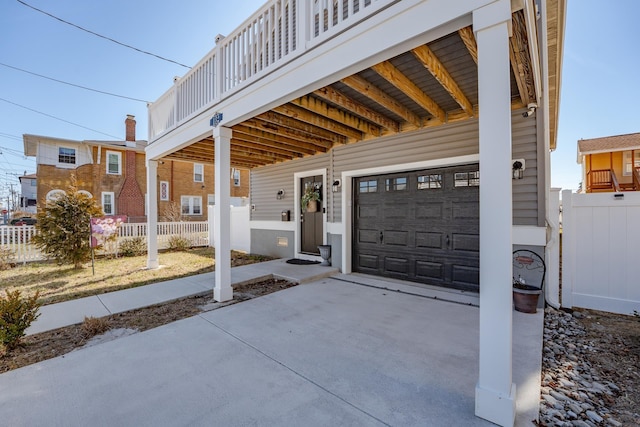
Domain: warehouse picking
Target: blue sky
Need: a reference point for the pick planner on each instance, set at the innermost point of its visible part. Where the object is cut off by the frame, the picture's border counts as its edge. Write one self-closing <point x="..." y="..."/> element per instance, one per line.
<point x="599" y="81"/>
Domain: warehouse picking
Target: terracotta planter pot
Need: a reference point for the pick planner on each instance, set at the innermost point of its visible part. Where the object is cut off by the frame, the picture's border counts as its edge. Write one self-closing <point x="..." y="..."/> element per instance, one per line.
<point x="526" y="300"/>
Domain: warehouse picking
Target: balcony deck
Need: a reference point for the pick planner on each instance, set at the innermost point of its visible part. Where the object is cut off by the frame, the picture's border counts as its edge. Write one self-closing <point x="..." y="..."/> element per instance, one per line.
<point x="300" y="76"/>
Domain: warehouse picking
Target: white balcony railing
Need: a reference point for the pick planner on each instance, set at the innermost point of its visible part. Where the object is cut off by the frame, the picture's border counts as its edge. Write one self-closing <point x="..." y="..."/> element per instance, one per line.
<point x="276" y="34"/>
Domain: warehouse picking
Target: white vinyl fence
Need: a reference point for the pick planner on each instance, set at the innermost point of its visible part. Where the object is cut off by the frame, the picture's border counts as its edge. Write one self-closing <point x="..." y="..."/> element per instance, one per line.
<point x="15" y="241"/>
<point x="600" y="251"/>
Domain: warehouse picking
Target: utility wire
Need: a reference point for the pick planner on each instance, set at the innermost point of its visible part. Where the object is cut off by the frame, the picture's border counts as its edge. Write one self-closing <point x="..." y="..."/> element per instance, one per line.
<point x="72" y="84"/>
<point x="101" y="36"/>
<point x="57" y="118"/>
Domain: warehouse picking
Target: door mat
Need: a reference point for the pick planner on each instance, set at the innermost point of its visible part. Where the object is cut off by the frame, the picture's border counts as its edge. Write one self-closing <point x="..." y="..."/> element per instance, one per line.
<point x="298" y="261"/>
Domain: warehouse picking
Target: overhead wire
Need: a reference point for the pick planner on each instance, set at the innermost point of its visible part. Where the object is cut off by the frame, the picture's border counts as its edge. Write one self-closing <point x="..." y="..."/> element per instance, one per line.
<point x="101" y="36"/>
<point x="57" y="118"/>
<point x="72" y="84"/>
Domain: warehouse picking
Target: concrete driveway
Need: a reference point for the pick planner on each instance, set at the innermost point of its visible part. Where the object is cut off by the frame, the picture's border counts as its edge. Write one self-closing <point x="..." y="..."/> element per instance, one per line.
<point x="327" y="353"/>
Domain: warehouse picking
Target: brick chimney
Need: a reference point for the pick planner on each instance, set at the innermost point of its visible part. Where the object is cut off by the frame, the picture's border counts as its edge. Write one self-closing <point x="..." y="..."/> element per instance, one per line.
<point x="130" y="124"/>
<point x="130" y="198"/>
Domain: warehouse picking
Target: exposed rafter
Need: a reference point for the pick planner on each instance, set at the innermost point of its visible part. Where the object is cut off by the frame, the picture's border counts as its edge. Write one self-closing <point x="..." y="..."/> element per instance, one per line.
<point x="359" y="84"/>
<point x="279" y="143"/>
<point x="469" y="40"/>
<point x="519" y="55"/>
<point x="318" y="121"/>
<point x="343" y="101"/>
<point x="402" y="82"/>
<point x="439" y="71"/>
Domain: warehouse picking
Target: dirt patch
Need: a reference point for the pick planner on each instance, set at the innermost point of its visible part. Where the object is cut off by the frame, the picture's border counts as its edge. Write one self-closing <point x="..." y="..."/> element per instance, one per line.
<point x="615" y="340"/>
<point x="46" y="345"/>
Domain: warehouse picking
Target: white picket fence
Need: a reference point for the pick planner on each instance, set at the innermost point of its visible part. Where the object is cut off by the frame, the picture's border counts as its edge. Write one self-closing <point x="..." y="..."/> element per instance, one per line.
<point x="16" y="240"/>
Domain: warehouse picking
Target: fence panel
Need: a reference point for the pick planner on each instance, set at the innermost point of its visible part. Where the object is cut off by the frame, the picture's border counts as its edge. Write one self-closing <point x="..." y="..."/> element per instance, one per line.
<point x="600" y="249"/>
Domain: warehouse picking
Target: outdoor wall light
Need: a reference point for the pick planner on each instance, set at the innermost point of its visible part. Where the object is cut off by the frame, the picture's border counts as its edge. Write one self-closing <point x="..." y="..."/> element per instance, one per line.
<point x="336" y="185"/>
<point x="280" y="194"/>
<point x="517" y="169"/>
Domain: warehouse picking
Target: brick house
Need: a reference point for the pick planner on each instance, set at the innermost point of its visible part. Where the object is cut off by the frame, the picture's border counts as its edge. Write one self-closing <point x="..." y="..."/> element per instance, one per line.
<point x="115" y="173"/>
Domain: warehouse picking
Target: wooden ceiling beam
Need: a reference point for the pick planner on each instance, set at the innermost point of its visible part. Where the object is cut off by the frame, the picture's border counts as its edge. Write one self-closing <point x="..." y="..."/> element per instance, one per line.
<point x="359" y="84"/>
<point x="271" y="140"/>
<point x="342" y="117"/>
<point x="286" y="126"/>
<point x="402" y="82"/>
<point x="343" y="101"/>
<point x="437" y="69"/>
<point x="318" y="121"/>
<point x="519" y="55"/>
<point x="240" y="142"/>
<point x="469" y="40"/>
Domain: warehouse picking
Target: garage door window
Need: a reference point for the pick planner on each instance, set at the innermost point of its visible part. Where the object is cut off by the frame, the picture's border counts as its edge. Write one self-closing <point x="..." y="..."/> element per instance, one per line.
<point x="467" y="179"/>
<point x="396" y="184"/>
<point x="427" y="182"/>
<point x="369" y="186"/>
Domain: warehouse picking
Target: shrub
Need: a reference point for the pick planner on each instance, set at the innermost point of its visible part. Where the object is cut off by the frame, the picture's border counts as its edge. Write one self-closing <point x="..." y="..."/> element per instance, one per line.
<point x="16" y="315"/>
<point x="92" y="326"/>
<point x="7" y="259"/>
<point x="179" y="243"/>
<point x="133" y="247"/>
<point x="64" y="227"/>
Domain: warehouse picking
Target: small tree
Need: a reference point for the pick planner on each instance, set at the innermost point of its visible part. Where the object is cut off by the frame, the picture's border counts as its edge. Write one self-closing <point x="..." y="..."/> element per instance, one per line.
<point x="64" y="227"/>
<point x="16" y="315"/>
<point x="173" y="213"/>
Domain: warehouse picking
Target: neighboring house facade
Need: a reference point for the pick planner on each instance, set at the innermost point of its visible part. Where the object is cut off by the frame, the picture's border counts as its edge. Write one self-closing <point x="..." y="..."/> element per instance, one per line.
<point x="610" y="164"/>
<point x="114" y="172"/>
<point x="424" y="127"/>
<point x="28" y="193"/>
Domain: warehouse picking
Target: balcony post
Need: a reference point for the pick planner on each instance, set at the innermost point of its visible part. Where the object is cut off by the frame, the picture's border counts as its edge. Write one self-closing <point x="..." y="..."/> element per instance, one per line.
<point x="152" y="214"/>
<point x="495" y="390"/>
<point x="303" y="22"/>
<point x="222" y="233"/>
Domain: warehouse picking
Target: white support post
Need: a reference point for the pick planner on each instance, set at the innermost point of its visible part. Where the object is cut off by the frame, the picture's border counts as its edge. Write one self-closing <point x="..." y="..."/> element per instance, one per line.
<point x="152" y="214"/>
<point x="495" y="391"/>
<point x="222" y="228"/>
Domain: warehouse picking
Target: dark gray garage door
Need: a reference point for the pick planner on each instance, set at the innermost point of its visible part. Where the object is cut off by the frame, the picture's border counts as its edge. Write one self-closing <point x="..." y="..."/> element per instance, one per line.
<point x="421" y="226"/>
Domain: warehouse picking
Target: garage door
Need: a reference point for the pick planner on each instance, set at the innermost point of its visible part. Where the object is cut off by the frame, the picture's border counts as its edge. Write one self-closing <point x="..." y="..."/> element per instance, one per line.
<point x="421" y="226"/>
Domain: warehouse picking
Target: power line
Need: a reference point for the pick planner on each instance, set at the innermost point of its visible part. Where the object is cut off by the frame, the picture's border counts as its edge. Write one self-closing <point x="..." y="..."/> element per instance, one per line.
<point x="72" y="84"/>
<point x="101" y="36"/>
<point x="57" y="118"/>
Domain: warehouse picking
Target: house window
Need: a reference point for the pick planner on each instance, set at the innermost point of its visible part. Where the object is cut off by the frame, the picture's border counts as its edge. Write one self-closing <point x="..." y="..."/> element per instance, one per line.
<point x="34" y="183"/>
<point x="191" y="205"/>
<point x="108" y="203"/>
<point x="628" y="160"/>
<point x="236" y="178"/>
<point x="211" y="199"/>
<point x="369" y="186"/>
<point x="114" y="163"/>
<point x="467" y="179"/>
<point x="429" y="181"/>
<point x="86" y="193"/>
<point x="67" y="155"/>
<point x="198" y="172"/>
<point x="396" y="184"/>
<point x="164" y="191"/>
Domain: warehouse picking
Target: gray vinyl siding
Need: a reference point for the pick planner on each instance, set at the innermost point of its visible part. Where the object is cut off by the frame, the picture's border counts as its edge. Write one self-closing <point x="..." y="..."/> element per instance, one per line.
<point x="267" y="180"/>
<point x="453" y="140"/>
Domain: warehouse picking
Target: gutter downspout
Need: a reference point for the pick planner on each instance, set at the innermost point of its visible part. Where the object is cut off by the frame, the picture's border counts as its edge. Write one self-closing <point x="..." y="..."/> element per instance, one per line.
<point x="552" y="248"/>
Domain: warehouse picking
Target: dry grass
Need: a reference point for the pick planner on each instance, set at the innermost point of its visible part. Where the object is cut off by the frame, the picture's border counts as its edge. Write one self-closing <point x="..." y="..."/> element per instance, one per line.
<point x="63" y="283"/>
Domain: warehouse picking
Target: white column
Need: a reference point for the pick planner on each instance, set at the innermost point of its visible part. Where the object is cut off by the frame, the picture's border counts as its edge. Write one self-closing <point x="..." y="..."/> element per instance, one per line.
<point x="222" y="228"/>
<point x="152" y="214"/>
<point x="495" y="392"/>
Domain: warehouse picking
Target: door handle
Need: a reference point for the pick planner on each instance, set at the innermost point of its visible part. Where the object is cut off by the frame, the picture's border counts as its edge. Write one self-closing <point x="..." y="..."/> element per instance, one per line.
<point x="447" y="241"/>
<point x="381" y="236"/>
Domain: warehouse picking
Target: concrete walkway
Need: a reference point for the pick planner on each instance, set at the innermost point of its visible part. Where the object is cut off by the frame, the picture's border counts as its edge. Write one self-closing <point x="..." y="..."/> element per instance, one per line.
<point x="337" y="351"/>
<point x="67" y="313"/>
